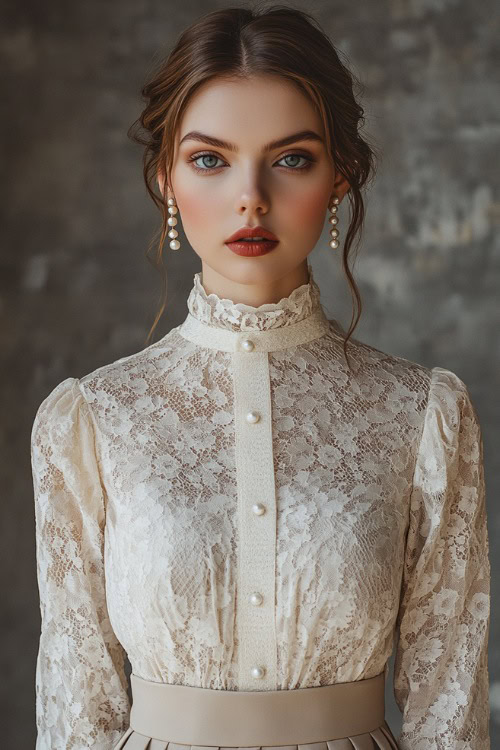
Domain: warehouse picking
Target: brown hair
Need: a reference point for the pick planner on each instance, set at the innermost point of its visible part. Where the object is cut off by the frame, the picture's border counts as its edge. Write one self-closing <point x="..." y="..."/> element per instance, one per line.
<point x="244" y="42"/>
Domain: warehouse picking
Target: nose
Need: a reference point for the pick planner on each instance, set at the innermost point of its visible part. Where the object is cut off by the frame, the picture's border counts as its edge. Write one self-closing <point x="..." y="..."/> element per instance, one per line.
<point x="252" y="198"/>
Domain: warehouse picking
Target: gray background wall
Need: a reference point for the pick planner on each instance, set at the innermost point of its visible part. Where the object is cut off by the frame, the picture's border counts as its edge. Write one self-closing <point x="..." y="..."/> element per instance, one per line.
<point x="77" y="292"/>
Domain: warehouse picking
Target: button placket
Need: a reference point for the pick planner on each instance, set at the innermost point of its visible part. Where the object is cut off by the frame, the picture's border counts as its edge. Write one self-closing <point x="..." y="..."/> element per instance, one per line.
<point x="255" y="615"/>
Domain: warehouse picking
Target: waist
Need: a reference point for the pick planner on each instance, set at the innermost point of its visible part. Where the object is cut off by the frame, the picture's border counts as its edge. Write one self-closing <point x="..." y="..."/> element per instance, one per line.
<point x="230" y="718"/>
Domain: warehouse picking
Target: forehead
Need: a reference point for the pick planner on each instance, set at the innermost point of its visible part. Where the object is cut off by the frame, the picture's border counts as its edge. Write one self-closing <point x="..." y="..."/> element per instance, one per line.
<point x="249" y="111"/>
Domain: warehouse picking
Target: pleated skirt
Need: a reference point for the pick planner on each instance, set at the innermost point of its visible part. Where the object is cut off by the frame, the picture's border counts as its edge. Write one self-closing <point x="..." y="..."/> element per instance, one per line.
<point x="344" y="716"/>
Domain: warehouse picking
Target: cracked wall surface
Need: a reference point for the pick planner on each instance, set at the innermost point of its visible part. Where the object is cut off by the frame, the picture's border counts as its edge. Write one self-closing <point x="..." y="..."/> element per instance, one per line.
<point x="76" y="290"/>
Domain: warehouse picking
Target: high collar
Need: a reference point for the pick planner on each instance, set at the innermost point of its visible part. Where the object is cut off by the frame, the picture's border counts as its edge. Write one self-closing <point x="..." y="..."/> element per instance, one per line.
<point x="219" y="323"/>
<point x="221" y="312"/>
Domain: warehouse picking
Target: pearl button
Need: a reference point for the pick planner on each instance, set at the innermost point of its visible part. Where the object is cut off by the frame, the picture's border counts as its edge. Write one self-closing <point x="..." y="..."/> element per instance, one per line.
<point x="248" y="345"/>
<point x="256" y="598"/>
<point x="253" y="416"/>
<point x="258" y="672"/>
<point x="258" y="509"/>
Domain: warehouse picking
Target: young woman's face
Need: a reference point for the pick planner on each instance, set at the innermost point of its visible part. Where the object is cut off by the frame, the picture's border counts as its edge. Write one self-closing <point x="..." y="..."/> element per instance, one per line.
<point x="286" y="190"/>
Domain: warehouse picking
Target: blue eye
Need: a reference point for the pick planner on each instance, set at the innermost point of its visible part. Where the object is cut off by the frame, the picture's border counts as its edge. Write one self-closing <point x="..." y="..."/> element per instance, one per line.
<point x="209" y="155"/>
<point x="300" y="156"/>
<point x="204" y="156"/>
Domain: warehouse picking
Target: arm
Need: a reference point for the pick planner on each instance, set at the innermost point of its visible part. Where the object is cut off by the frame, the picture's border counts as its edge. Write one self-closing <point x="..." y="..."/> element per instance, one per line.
<point x="441" y="669"/>
<point x="81" y="685"/>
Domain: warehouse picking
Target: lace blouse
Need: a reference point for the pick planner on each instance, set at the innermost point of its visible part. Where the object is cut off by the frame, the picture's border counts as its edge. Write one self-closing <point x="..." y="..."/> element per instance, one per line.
<point x="234" y="509"/>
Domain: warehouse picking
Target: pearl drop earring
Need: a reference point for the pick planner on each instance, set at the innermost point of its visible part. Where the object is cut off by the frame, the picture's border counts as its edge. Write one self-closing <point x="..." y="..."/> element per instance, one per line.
<point x="334" y="243"/>
<point x="172" y="221"/>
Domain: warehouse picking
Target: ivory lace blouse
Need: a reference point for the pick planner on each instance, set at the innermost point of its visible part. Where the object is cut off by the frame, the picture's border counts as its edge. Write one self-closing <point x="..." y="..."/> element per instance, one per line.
<point x="233" y="509"/>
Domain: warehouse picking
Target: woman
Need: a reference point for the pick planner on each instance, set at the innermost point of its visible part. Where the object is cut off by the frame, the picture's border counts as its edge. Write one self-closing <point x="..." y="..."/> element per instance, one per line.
<point x="252" y="507"/>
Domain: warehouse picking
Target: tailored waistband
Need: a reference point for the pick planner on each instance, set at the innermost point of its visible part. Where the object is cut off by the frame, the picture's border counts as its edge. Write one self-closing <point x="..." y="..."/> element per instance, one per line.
<point x="230" y="718"/>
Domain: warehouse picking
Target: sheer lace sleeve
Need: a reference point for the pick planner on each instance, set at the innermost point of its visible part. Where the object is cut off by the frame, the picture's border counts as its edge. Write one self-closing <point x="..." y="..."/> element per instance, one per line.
<point x="81" y="685"/>
<point x="441" y="668"/>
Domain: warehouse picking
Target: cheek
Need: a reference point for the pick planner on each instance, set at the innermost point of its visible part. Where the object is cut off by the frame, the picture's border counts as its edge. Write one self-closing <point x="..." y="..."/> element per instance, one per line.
<point x="198" y="211"/>
<point x="308" y="208"/>
<point x="198" y="204"/>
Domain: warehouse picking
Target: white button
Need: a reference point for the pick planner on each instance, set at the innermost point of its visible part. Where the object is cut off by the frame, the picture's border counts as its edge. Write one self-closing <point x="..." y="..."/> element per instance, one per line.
<point x="258" y="509"/>
<point x="253" y="416"/>
<point x="258" y="672"/>
<point x="248" y="345"/>
<point x="256" y="598"/>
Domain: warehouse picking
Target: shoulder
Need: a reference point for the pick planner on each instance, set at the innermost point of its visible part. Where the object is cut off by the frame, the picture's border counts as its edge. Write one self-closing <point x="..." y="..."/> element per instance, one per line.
<point x="62" y="426"/>
<point x="75" y="396"/>
<point x="370" y="364"/>
<point x="433" y="386"/>
<point x="123" y="381"/>
<point x="59" y="407"/>
<point x="450" y="411"/>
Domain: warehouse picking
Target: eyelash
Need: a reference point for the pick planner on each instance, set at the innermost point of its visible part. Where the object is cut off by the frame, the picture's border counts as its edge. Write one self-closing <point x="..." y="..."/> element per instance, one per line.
<point x="195" y="157"/>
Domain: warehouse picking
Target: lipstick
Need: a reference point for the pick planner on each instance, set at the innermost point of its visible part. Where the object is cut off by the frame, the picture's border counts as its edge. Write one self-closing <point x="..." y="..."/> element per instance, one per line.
<point x="252" y="241"/>
<point x="251" y="249"/>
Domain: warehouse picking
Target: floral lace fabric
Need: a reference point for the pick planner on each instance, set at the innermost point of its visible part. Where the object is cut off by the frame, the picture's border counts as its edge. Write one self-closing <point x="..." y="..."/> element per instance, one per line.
<point x="223" y="313"/>
<point x="147" y="478"/>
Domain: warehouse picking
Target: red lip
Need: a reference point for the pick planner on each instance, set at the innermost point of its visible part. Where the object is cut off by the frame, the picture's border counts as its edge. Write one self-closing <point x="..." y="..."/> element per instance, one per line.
<point x="251" y="249"/>
<point x="252" y="232"/>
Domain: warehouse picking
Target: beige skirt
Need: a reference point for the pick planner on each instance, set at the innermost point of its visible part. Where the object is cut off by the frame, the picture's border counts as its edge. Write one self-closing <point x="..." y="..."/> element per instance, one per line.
<point x="344" y="716"/>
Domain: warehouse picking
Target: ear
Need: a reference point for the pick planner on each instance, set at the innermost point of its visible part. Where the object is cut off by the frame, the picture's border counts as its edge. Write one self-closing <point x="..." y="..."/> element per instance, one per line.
<point x="160" y="178"/>
<point x="340" y="186"/>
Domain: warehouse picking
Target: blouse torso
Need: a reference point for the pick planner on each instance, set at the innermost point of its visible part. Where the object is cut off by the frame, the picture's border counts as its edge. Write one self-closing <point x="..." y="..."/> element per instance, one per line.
<point x="234" y="509"/>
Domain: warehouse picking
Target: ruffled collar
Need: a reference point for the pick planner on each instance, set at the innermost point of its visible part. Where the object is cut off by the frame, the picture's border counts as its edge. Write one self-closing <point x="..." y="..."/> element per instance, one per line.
<point x="223" y="313"/>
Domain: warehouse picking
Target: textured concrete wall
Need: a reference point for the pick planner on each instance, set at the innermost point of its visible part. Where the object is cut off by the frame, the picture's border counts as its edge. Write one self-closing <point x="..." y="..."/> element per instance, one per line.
<point x="77" y="292"/>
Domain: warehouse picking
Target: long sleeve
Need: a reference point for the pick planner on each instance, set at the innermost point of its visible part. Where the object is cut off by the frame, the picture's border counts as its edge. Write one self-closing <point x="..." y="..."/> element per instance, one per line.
<point x="441" y="664"/>
<point x="81" y="685"/>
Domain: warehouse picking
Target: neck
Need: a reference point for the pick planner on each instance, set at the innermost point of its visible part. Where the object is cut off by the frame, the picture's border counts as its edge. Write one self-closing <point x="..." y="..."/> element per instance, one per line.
<point x="254" y="293"/>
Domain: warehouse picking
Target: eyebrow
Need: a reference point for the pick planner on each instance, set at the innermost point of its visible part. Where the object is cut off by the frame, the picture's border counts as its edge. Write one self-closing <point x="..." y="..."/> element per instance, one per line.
<point x="303" y="135"/>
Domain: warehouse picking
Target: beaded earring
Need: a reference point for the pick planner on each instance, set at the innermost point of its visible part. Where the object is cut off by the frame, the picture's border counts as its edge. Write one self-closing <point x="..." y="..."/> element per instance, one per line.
<point x="172" y="221"/>
<point x="334" y="243"/>
<point x="173" y="233"/>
